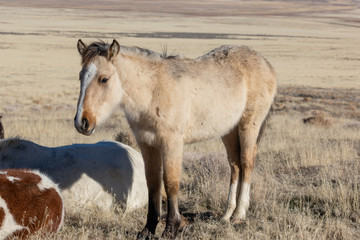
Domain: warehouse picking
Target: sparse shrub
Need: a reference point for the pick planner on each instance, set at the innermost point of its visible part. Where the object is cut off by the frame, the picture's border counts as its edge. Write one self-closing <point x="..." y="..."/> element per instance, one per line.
<point x="319" y="119"/>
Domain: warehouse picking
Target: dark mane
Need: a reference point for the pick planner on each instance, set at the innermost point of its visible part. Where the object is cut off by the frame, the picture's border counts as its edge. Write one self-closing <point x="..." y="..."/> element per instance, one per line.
<point x="101" y="49"/>
<point x="95" y="49"/>
<point x="166" y="55"/>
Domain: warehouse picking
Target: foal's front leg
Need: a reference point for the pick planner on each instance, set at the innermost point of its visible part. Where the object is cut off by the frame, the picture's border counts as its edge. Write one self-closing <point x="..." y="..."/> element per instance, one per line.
<point x="153" y="164"/>
<point x="171" y="153"/>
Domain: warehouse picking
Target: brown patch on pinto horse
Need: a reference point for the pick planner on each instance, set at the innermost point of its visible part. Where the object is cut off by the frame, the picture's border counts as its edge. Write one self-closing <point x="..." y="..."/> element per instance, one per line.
<point x="32" y="200"/>
<point x="2" y="216"/>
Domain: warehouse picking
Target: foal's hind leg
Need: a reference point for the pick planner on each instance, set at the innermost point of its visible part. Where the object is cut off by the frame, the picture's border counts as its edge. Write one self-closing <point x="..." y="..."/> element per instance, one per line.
<point x="232" y="145"/>
<point x="248" y="133"/>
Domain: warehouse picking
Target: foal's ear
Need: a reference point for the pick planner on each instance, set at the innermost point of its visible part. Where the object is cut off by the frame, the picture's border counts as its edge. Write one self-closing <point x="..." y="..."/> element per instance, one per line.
<point x="81" y="47"/>
<point x="113" y="50"/>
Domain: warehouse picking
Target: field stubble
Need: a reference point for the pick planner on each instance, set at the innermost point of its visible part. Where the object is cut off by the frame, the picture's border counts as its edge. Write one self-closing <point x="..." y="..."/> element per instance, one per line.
<point x="306" y="182"/>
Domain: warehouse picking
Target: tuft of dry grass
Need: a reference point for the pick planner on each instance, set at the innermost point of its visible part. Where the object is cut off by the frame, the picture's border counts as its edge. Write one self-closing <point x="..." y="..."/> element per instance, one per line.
<point x="127" y="137"/>
<point x="319" y="119"/>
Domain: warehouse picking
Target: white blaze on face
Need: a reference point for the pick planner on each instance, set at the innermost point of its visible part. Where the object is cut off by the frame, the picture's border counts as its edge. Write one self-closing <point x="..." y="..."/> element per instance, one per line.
<point x="87" y="77"/>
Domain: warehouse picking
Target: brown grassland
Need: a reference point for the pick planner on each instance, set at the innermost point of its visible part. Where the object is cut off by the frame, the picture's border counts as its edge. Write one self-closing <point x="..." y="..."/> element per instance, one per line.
<point x="306" y="182"/>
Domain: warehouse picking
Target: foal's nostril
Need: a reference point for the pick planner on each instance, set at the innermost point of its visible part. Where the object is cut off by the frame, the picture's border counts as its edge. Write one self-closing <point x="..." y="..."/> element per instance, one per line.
<point x="85" y="124"/>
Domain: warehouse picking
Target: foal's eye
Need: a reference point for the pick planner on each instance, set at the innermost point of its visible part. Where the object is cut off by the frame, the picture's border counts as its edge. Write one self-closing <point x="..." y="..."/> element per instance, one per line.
<point x="104" y="80"/>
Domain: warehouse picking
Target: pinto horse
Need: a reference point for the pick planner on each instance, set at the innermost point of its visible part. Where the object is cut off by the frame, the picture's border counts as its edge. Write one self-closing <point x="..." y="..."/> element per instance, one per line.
<point x="172" y="100"/>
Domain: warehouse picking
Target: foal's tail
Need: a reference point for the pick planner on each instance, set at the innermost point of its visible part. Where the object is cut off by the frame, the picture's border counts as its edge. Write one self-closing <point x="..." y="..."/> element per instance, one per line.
<point x="264" y="124"/>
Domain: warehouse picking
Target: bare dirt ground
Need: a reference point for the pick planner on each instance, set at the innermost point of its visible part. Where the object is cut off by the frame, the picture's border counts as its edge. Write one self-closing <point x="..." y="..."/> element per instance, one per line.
<point x="306" y="183"/>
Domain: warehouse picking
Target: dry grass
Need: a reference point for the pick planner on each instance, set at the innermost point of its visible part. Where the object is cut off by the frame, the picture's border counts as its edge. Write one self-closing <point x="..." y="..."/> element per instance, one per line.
<point x="306" y="182"/>
<point x="306" y="185"/>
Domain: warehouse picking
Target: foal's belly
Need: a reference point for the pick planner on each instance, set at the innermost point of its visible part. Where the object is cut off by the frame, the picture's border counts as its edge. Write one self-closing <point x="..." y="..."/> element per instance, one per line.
<point x="215" y="118"/>
<point x="210" y="128"/>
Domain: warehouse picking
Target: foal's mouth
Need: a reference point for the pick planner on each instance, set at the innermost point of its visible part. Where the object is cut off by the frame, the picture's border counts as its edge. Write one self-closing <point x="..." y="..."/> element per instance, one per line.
<point x="89" y="132"/>
<point x="86" y="132"/>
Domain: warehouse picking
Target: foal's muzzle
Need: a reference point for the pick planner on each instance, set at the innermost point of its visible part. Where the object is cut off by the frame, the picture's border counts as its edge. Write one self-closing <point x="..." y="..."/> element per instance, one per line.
<point x="84" y="127"/>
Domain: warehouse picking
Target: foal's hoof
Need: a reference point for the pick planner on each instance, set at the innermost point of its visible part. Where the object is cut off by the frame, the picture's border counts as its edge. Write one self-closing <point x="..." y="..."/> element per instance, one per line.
<point x="145" y="234"/>
<point x="171" y="231"/>
<point x="168" y="234"/>
<point x="225" y="218"/>
<point x="237" y="221"/>
<point x="225" y="221"/>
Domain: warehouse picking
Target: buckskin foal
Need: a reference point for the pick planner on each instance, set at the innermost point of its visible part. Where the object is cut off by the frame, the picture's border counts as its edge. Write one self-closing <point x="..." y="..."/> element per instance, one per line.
<point x="172" y="100"/>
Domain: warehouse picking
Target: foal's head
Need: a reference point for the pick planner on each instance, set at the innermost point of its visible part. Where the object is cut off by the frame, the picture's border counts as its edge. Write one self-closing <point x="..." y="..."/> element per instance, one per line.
<point x="100" y="88"/>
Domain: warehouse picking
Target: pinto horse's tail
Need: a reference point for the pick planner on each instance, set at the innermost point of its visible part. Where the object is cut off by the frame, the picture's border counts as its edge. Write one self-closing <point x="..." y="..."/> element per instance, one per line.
<point x="1" y="129"/>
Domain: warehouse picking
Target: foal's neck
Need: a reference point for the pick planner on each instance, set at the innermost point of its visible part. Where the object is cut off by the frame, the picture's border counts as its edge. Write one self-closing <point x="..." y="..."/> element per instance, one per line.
<point x="137" y="76"/>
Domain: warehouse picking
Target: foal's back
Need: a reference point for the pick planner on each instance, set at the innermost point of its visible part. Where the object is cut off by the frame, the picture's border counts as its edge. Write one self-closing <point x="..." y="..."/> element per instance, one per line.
<point x="214" y="90"/>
